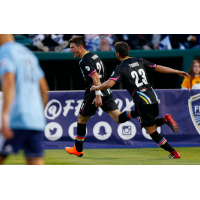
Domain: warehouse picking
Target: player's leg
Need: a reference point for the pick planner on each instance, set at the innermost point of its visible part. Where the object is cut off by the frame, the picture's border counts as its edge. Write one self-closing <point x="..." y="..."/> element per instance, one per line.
<point x="80" y="136"/>
<point x="122" y="117"/>
<point x="87" y="110"/>
<point x="167" y="119"/>
<point x="147" y="115"/>
<point x="12" y="146"/>
<point x="35" y="161"/>
<point x="115" y="115"/>
<point x="111" y="108"/>
<point x="128" y="115"/>
<point x="81" y="132"/>
<point x="33" y="147"/>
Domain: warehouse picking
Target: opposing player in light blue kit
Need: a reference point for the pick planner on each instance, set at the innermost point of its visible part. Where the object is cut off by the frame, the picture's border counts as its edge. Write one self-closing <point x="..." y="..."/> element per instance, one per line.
<point x="24" y="97"/>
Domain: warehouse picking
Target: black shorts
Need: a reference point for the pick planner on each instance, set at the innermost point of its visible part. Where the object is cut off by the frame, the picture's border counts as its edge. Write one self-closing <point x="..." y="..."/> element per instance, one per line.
<point x="88" y="109"/>
<point x="147" y="114"/>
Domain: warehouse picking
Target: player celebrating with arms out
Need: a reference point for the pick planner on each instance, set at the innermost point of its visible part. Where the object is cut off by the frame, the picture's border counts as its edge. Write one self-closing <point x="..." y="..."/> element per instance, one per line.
<point x="131" y="72"/>
<point x="94" y="73"/>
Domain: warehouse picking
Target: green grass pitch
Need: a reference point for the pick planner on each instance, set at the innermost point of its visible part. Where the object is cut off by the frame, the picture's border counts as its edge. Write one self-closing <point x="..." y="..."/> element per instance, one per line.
<point x="134" y="156"/>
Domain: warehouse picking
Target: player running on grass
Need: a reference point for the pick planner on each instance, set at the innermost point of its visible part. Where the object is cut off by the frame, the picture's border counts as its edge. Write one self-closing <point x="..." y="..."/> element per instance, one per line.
<point x="131" y="72"/>
<point x="94" y="73"/>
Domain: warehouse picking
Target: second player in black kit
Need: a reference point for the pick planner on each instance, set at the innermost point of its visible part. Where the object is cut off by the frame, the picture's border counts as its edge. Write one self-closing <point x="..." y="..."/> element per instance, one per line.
<point x="132" y="73"/>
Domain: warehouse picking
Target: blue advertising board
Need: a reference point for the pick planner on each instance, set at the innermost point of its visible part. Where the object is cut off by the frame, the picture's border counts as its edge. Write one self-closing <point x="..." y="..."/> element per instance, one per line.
<point x="62" y="111"/>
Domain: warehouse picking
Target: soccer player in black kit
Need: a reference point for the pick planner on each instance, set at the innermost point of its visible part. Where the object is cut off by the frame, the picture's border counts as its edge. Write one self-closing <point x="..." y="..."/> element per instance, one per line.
<point x="94" y="73"/>
<point x="131" y="72"/>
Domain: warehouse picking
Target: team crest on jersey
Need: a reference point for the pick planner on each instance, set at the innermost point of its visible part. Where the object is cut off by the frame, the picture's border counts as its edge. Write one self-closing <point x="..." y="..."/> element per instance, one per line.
<point x="194" y="109"/>
<point x="88" y="68"/>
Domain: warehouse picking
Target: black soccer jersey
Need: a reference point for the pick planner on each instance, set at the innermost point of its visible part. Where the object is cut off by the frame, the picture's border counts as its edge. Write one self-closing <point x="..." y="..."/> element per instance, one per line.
<point x="131" y="72"/>
<point x="89" y="64"/>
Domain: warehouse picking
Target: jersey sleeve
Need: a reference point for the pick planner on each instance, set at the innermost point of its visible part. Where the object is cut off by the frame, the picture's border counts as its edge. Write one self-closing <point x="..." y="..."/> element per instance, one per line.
<point x="6" y="65"/>
<point x="117" y="75"/>
<point x="186" y="83"/>
<point x="87" y="68"/>
<point x="40" y="73"/>
<point x="149" y="65"/>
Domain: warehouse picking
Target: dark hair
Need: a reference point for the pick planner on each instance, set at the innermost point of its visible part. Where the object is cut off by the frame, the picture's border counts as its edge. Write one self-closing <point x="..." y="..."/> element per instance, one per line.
<point x="78" y="40"/>
<point x="191" y="72"/>
<point x="122" y="48"/>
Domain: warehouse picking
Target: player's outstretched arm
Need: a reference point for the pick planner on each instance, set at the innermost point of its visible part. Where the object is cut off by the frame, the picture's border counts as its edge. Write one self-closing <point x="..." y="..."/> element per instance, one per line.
<point x="168" y="70"/>
<point x="108" y="84"/>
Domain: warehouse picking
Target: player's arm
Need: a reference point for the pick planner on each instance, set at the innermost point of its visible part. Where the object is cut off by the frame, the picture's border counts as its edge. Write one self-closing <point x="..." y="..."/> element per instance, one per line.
<point x="107" y="84"/>
<point x="168" y="70"/>
<point x="96" y="81"/>
<point x="8" y="88"/>
<point x="116" y="76"/>
<point x="43" y="90"/>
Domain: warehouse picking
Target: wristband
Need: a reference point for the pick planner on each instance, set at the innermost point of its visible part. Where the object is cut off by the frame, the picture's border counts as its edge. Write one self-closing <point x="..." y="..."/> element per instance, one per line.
<point x="97" y="92"/>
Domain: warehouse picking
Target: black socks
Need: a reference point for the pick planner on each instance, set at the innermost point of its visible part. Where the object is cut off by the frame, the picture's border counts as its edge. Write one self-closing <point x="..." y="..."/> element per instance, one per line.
<point x="161" y="141"/>
<point x="127" y="115"/>
<point x="81" y="132"/>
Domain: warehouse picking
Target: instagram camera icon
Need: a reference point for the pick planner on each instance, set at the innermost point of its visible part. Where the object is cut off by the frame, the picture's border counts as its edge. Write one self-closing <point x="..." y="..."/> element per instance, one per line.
<point x="126" y="130"/>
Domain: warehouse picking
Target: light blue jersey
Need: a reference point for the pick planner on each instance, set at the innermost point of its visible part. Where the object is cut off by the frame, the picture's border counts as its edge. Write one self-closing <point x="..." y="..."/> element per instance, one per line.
<point x="27" y="111"/>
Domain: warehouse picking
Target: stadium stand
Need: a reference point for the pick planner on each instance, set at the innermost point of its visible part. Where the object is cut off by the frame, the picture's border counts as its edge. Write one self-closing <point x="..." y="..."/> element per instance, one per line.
<point x="57" y="65"/>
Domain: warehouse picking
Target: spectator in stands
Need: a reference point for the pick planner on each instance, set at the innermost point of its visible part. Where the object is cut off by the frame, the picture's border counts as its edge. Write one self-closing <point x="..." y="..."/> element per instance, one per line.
<point x="138" y="41"/>
<point x="101" y="42"/>
<point x="156" y="38"/>
<point x="48" y="42"/>
<point x="133" y="40"/>
<point x="192" y="82"/>
<point x="90" y="36"/>
<point x="187" y="40"/>
<point x="198" y="41"/>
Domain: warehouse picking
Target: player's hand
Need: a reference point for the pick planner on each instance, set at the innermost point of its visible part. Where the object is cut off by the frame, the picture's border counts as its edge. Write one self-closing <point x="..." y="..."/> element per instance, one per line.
<point x="183" y="74"/>
<point x="93" y="88"/>
<point x="5" y="128"/>
<point x="97" y="101"/>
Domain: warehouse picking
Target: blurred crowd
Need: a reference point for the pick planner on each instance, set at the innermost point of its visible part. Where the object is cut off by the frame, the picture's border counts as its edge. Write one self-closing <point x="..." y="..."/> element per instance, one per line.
<point x="105" y="42"/>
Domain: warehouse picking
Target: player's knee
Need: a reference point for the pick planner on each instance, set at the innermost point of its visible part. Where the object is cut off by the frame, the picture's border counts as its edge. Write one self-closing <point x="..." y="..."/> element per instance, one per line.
<point x="117" y="120"/>
<point x="82" y="120"/>
<point x="150" y="129"/>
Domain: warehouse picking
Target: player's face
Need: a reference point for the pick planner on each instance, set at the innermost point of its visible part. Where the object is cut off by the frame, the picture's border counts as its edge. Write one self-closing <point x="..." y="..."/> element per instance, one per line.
<point x="196" y="68"/>
<point x="75" y="50"/>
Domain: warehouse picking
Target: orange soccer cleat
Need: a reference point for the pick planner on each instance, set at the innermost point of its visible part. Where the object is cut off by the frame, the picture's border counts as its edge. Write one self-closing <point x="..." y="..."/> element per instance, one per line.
<point x="72" y="150"/>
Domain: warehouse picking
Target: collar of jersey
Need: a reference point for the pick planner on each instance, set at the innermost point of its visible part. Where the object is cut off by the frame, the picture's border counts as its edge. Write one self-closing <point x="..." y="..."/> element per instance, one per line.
<point x="126" y="58"/>
<point x="84" y="54"/>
